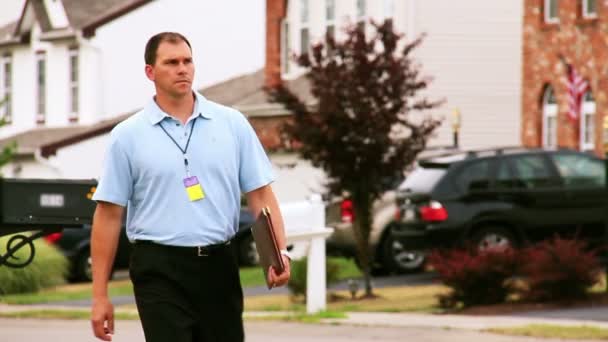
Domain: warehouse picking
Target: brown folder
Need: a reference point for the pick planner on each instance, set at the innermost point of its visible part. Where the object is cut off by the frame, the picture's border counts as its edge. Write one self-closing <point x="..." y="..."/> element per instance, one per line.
<point x="266" y="243"/>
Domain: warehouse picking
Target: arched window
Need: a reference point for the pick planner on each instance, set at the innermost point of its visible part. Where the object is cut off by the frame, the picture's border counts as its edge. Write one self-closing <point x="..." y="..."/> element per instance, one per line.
<point x="587" y="122"/>
<point x="549" y="118"/>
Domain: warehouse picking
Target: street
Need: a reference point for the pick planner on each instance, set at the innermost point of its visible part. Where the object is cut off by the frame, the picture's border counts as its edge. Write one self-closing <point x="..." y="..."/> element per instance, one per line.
<point x="79" y="331"/>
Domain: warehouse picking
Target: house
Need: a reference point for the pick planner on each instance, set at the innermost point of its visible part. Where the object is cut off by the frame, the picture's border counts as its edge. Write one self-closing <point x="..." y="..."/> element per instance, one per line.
<point x="472" y="51"/>
<point x="564" y="74"/>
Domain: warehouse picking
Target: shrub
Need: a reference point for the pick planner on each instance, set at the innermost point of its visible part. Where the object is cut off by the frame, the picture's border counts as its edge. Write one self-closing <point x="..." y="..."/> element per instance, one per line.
<point x="48" y="268"/>
<point x="559" y="269"/>
<point x="475" y="277"/>
<point x="297" y="281"/>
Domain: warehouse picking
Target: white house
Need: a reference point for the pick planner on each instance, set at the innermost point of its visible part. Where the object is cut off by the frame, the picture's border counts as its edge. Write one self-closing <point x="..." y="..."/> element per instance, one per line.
<point x="472" y="50"/>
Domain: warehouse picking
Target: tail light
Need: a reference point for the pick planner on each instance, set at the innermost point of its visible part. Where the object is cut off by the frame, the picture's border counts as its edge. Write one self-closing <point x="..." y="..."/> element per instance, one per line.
<point x="433" y="212"/>
<point x="347" y="212"/>
<point x="53" y="237"/>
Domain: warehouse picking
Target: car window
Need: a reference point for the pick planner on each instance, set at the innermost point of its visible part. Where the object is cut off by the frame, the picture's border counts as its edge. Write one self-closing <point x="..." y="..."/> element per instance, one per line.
<point x="475" y="176"/>
<point x="580" y="170"/>
<point x="422" y="179"/>
<point x="505" y="177"/>
<point x="532" y="171"/>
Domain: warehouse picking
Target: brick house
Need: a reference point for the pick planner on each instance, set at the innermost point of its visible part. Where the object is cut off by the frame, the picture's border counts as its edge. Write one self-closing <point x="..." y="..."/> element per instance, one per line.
<point x="558" y="34"/>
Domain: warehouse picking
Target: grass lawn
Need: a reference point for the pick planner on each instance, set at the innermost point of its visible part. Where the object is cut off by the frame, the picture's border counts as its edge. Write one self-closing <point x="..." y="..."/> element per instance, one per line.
<point x="555" y="331"/>
<point x="250" y="276"/>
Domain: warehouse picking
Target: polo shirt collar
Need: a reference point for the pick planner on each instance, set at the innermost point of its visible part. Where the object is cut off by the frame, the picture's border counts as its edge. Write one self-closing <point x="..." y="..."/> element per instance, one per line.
<point x="155" y="114"/>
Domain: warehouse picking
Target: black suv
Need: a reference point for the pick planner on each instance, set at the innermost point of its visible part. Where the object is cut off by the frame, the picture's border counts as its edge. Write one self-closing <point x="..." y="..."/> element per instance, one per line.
<point x="508" y="196"/>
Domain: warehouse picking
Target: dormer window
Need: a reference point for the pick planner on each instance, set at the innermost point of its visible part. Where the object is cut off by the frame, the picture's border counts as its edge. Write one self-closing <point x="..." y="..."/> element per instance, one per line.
<point x="330" y="17"/>
<point x="361" y="13"/>
<point x="304" y="29"/>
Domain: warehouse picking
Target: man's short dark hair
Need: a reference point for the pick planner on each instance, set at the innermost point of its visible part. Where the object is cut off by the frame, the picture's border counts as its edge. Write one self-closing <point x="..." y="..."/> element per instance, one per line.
<point x="155" y="40"/>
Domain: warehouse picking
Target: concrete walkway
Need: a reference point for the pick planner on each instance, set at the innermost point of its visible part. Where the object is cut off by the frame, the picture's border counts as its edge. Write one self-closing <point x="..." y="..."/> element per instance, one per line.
<point x="597" y="317"/>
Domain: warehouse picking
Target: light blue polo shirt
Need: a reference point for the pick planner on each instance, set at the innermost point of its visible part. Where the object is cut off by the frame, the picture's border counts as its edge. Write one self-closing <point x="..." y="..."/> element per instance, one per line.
<point x="144" y="170"/>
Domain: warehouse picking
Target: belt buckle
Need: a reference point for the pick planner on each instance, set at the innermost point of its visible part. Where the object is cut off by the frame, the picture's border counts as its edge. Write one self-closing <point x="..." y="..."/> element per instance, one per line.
<point x="201" y="251"/>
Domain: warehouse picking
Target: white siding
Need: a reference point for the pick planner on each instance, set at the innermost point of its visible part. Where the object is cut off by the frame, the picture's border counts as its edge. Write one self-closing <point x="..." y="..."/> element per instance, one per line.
<point x="472" y="51"/>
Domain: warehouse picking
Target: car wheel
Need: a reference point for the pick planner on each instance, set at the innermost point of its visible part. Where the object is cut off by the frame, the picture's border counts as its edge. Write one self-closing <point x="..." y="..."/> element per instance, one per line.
<point x="82" y="267"/>
<point x="398" y="259"/>
<point x="248" y="254"/>
<point x="494" y="237"/>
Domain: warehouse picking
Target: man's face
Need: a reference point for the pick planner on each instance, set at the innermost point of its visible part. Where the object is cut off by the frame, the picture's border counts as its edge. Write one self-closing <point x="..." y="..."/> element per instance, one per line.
<point x="173" y="71"/>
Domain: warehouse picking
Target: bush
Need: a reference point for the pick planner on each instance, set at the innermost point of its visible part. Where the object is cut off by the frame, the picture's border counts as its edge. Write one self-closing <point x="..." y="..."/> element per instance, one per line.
<point x="48" y="268"/>
<point x="559" y="269"/>
<point x="475" y="277"/>
<point x="297" y="281"/>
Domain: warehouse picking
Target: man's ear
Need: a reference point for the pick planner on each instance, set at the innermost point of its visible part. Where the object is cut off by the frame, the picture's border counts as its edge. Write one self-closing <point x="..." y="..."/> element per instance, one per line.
<point x="149" y="72"/>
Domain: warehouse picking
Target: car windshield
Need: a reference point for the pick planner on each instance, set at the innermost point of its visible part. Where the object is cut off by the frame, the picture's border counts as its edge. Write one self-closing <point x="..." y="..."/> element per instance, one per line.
<point x="422" y="179"/>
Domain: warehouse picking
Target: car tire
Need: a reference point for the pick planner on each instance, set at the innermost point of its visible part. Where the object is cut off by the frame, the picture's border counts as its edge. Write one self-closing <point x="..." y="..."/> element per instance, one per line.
<point x="82" y="267"/>
<point x="248" y="254"/>
<point x="493" y="236"/>
<point x="397" y="259"/>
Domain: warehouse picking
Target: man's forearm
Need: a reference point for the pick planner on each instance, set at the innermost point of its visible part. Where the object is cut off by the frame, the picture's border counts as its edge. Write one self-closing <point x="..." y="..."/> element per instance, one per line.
<point x="104" y="241"/>
<point x="262" y="197"/>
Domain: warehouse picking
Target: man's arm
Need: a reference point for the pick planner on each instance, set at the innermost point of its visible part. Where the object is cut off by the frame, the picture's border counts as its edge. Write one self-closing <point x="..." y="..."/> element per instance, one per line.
<point x="107" y="222"/>
<point x="258" y="199"/>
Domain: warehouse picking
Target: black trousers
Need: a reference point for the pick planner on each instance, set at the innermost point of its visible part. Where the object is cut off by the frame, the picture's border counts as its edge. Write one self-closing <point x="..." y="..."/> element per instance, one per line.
<point x="184" y="297"/>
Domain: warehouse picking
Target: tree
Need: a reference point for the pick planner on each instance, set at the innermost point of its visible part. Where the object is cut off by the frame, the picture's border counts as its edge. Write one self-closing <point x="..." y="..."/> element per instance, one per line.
<point x="6" y="154"/>
<point x="359" y="131"/>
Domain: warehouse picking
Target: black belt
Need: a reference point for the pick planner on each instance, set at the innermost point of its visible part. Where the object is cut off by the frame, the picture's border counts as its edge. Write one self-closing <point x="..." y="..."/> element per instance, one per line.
<point x="188" y="250"/>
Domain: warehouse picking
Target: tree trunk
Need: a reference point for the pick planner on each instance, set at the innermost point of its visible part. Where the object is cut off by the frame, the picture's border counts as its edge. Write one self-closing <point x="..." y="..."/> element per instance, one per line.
<point x="362" y="227"/>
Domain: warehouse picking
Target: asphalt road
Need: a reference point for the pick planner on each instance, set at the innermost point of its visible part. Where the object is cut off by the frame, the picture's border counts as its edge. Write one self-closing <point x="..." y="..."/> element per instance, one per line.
<point x="79" y="331"/>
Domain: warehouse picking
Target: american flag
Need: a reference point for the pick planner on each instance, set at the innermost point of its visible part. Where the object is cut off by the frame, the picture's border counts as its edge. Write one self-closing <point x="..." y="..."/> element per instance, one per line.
<point x="576" y="89"/>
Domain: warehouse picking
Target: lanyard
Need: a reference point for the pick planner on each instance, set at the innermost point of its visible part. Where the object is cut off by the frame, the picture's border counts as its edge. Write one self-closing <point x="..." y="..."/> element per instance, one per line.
<point x="184" y="150"/>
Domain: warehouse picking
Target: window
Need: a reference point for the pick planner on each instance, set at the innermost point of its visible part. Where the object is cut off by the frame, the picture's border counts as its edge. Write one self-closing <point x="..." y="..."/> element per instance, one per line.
<point x="361" y="13"/>
<point x="532" y="171"/>
<point x="505" y="178"/>
<point x="330" y="17"/>
<point x="41" y="87"/>
<point x="587" y="123"/>
<point x="551" y="11"/>
<point x="285" y="47"/>
<point x="304" y="30"/>
<point x="474" y="177"/>
<point x="6" y="86"/>
<point x="589" y="8"/>
<point x="549" y="118"/>
<point x="74" y="89"/>
<point x="580" y="171"/>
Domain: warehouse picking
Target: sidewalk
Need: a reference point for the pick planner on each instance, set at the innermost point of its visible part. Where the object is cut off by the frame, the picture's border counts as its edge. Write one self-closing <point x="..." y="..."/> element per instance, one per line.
<point x="596" y="317"/>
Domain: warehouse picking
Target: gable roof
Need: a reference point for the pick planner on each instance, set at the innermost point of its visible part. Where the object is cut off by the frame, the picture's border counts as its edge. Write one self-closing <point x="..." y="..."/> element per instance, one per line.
<point x="245" y="93"/>
<point x="82" y="15"/>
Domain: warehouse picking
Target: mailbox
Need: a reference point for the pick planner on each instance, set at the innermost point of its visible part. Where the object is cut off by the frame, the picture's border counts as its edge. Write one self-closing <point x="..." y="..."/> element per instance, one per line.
<point x="46" y="203"/>
<point x="33" y="208"/>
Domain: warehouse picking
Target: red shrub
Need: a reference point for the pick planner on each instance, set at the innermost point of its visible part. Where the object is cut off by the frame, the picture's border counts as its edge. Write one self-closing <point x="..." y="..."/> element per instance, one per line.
<point x="559" y="269"/>
<point x="475" y="277"/>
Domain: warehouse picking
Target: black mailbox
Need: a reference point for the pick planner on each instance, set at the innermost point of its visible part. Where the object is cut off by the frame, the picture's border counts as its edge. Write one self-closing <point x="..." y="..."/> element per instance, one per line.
<point x="46" y="203"/>
<point x="41" y="206"/>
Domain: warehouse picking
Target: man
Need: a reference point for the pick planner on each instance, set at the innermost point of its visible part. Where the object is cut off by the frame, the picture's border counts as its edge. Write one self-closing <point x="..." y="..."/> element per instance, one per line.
<point x="180" y="166"/>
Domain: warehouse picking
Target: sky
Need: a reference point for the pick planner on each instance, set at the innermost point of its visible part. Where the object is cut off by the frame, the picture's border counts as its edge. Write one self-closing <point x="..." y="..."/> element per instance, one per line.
<point x="231" y="31"/>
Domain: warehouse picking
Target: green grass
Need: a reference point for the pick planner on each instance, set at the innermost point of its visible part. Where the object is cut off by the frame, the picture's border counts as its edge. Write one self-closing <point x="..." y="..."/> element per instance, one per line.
<point x="555" y="331"/>
<point x="250" y="276"/>
<point x="64" y="314"/>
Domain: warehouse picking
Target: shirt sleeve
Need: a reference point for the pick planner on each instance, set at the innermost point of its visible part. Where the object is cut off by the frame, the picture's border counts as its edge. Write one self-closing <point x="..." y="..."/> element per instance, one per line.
<point x="255" y="169"/>
<point x="116" y="183"/>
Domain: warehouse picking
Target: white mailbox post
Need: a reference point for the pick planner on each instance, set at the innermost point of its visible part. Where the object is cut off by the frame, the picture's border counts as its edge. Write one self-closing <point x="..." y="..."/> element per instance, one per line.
<point x="305" y="221"/>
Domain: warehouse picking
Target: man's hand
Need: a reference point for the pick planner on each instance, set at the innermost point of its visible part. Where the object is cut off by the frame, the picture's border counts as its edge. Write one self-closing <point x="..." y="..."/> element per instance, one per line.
<point x="102" y="319"/>
<point x="276" y="279"/>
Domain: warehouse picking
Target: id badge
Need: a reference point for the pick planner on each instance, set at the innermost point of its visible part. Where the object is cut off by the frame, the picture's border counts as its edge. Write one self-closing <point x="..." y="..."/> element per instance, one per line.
<point x="194" y="189"/>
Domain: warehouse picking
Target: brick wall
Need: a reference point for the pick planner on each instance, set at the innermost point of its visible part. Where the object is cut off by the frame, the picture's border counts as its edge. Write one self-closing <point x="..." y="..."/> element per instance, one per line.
<point x="583" y="43"/>
<point x="275" y="12"/>
<point x="269" y="131"/>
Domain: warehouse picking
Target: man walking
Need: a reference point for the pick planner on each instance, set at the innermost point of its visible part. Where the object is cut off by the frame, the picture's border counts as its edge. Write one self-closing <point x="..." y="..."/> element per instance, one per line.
<point x="180" y="166"/>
